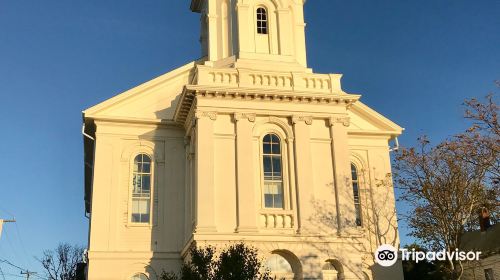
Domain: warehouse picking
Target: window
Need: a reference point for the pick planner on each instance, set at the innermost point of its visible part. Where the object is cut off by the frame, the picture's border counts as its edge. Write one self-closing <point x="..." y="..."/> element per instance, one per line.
<point x="262" y="25"/>
<point x="355" y="190"/>
<point x="139" y="276"/>
<point x="488" y="274"/>
<point x="273" y="179"/>
<point x="141" y="189"/>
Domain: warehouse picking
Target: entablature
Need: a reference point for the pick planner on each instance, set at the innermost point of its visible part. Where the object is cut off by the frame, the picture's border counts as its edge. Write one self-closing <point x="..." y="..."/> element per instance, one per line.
<point x="192" y="93"/>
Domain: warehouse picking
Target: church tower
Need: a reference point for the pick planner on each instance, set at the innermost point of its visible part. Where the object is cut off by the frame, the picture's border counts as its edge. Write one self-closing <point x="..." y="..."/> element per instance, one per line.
<point x="267" y="34"/>
<point x="248" y="145"/>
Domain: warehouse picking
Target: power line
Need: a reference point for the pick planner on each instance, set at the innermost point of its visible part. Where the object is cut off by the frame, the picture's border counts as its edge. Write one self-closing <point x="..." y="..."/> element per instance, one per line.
<point x="3" y="275"/>
<point x="11" y="264"/>
<point x="23" y="271"/>
<point x="22" y="243"/>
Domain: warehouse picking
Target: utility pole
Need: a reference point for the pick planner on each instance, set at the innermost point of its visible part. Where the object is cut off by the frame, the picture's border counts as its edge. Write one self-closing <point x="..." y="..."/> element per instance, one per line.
<point x="28" y="274"/>
<point x="5" y="221"/>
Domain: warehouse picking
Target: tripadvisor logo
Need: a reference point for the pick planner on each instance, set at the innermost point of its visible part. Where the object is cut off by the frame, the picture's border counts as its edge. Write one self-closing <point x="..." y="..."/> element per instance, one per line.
<point x="386" y="255"/>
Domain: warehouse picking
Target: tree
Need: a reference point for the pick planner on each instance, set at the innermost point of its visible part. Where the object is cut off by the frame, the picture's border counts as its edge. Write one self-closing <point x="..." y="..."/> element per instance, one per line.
<point x="62" y="263"/>
<point x="483" y="137"/>
<point x="449" y="184"/>
<point x="238" y="262"/>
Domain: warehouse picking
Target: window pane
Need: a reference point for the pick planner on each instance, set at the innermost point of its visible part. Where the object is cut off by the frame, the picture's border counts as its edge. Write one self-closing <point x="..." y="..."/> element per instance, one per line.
<point x="275" y="149"/>
<point x="135" y="206"/>
<point x="144" y="218"/>
<point x="355" y="189"/>
<point x="277" y="166"/>
<point x="278" y="201"/>
<point x="267" y="164"/>
<point x="146" y="183"/>
<point x="146" y="167"/>
<point x="267" y="148"/>
<point x="144" y="207"/>
<point x="358" y="214"/>
<point x="137" y="183"/>
<point x="267" y="138"/>
<point x="268" y="200"/>
<point x="136" y="218"/>
<point x="354" y="173"/>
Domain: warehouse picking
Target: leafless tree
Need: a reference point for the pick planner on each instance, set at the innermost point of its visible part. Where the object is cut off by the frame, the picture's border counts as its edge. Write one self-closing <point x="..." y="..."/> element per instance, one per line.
<point x="61" y="263"/>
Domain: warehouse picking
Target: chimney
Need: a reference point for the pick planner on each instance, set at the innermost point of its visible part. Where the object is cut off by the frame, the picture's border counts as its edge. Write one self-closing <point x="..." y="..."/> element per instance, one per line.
<point x="484" y="219"/>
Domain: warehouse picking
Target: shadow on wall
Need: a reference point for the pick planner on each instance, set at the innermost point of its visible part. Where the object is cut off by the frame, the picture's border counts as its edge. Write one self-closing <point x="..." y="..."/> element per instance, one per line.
<point x="379" y="226"/>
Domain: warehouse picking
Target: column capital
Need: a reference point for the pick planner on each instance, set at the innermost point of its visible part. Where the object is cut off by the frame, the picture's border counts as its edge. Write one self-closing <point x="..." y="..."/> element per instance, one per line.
<point x="306" y="119"/>
<point x="345" y="120"/>
<point x="203" y="114"/>
<point x="242" y="116"/>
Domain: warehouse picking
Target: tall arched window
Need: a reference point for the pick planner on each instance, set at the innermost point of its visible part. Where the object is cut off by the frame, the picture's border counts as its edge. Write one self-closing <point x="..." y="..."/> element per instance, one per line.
<point x="139" y="276"/>
<point x="262" y="21"/>
<point x="272" y="166"/>
<point x="141" y="189"/>
<point x="355" y="190"/>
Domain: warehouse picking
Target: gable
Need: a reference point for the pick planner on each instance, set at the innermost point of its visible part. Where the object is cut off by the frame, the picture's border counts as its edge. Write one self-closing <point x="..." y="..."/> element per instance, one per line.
<point x="153" y="101"/>
<point x="365" y="120"/>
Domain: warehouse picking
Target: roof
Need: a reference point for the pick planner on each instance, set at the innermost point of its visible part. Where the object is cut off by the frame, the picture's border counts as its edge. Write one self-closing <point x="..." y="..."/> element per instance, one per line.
<point x="487" y="242"/>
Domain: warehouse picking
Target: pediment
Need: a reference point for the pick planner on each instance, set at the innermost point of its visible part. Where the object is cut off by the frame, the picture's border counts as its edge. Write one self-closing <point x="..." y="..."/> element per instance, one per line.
<point x="153" y="101"/>
<point x="365" y="120"/>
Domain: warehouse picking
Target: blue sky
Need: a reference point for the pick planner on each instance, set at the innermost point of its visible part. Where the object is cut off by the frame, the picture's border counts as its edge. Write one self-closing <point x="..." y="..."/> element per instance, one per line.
<point x="413" y="61"/>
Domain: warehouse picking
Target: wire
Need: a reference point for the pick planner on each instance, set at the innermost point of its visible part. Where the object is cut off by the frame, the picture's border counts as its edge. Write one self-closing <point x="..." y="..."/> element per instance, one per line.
<point x="11" y="264"/>
<point x="14" y="275"/>
<point x="22" y="244"/>
<point x="20" y="268"/>
<point x="15" y="252"/>
<point x="3" y="275"/>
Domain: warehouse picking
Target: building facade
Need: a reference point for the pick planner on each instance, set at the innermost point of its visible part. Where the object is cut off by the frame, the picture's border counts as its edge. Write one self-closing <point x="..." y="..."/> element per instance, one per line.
<point x="247" y="144"/>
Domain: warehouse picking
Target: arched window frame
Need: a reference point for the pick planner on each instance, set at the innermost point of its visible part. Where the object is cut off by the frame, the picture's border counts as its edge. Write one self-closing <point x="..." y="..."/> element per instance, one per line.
<point x="262" y="20"/>
<point x="284" y="193"/>
<point x="355" y="181"/>
<point x="280" y="127"/>
<point x="131" y="222"/>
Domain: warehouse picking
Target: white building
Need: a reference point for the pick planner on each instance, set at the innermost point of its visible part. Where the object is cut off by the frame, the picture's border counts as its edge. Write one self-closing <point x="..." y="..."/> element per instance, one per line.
<point x="247" y="144"/>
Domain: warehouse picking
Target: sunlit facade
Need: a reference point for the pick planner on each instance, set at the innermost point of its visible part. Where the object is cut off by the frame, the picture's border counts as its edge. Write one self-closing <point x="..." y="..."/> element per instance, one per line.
<point x="247" y="144"/>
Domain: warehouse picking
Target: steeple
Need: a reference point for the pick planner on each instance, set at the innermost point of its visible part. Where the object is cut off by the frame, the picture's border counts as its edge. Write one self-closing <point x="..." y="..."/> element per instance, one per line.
<point x="257" y="34"/>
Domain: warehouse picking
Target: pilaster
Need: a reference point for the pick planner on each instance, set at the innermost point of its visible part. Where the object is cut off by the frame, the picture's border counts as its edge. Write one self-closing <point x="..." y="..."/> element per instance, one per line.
<point x="244" y="29"/>
<point x="285" y="32"/>
<point x="205" y="187"/>
<point x="342" y="173"/>
<point x="303" y="170"/>
<point x="246" y="200"/>
<point x="213" y="50"/>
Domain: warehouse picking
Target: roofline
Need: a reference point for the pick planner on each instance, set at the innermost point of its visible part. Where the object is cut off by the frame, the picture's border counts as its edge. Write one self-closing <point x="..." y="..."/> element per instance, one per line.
<point x="94" y="110"/>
